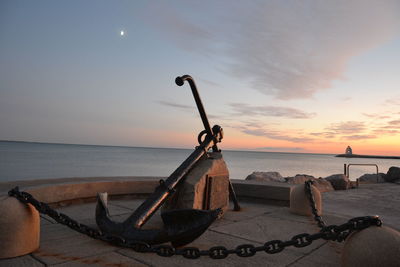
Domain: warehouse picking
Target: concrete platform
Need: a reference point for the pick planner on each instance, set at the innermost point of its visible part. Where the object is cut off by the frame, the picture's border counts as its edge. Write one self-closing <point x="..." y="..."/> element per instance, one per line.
<point x="262" y="219"/>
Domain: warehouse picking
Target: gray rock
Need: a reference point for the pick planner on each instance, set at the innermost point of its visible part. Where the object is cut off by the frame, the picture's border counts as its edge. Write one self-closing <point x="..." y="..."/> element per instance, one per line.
<point x="371" y="178"/>
<point x="322" y="184"/>
<point x="393" y="174"/>
<point x="266" y="176"/>
<point x="339" y="181"/>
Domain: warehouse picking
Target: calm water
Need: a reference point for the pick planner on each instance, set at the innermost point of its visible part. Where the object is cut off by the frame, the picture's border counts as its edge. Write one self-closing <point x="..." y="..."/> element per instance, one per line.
<point x="23" y="161"/>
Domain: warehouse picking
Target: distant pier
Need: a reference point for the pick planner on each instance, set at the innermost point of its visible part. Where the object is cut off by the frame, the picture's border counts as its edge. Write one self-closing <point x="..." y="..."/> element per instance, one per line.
<point x="366" y="156"/>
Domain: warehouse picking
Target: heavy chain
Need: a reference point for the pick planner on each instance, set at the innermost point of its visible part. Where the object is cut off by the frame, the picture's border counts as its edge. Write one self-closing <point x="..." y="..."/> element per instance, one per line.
<point x="310" y="196"/>
<point x="331" y="232"/>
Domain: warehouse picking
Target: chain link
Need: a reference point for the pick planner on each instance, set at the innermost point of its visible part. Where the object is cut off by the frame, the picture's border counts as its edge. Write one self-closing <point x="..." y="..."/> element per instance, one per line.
<point x="331" y="232"/>
<point x="309" y="194"/>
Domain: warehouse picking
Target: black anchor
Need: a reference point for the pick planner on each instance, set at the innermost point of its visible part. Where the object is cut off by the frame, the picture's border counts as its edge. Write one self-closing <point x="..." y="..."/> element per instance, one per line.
<point x="180" y="226"/>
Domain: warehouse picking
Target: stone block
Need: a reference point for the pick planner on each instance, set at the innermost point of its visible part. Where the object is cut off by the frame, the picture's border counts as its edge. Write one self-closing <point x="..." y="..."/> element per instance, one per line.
<point x="19" y="228"/>
<point x="266" y="177"/>
<point x="206" y="186"/>
<point x="372" y="178"/>
<point x="262" y="190"/>
<point x="339" y="181"/>
<point x="374" y="246"/>
<point x="300" y="204"/>
<point x="320" y="183"/>
<point x="393" y="174"/>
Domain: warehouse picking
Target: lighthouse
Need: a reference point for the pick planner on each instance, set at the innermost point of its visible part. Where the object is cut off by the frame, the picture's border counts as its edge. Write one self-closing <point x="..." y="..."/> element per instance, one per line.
<point x="349" y="151"/>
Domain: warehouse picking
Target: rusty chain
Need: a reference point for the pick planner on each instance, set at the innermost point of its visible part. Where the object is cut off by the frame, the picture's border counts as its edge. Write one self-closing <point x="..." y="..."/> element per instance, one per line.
<point x="331" y="232"/>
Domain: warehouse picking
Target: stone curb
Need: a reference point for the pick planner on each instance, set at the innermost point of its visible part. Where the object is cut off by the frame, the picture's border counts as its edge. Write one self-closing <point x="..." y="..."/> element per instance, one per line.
<point x="53" y="190"/>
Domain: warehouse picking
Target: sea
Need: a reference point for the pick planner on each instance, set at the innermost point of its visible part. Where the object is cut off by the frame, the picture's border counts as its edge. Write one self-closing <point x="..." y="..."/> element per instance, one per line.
<point x="29" y="160"/>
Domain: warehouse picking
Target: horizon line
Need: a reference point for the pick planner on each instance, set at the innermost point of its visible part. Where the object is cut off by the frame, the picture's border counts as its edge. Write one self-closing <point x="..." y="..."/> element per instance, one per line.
<point x="130" y="146"/>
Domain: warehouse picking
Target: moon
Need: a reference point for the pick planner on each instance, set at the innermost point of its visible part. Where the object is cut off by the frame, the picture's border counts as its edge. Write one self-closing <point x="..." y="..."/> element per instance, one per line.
<point x="122" y="33"/>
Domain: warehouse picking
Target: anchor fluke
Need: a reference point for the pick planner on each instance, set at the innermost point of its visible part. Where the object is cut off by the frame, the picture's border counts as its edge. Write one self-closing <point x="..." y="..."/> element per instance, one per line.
<point x="108" y="226"/>
<point x="196" y="222"/>
<point x="180" y="226"/>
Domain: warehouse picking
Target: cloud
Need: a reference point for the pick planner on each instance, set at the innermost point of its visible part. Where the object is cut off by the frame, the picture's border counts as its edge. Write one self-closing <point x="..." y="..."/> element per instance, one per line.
<point x="324" y="134"/>
<point x="176" y="27"/>
<point x="393" y="101"/>
<point x="186" y="107"/>
<point x="282" y="149"/>
<point x="293" y="49"/>
<point x="358" y="137"/>
<point x="242" y="109"/>
<point x="376" y="116"/>
<point x="175" y="105"/>
<point x="346" y="99"/>
<point x="348" y="127"/>
<point x="383" y="131"/>
<point x="388" y="128"/>
<point x="395" y="123"/>
<point x="277" y="135"/>
<point x="210" y="83"/>
<point x="288" y="49"/>
<point x="348" y="130"/>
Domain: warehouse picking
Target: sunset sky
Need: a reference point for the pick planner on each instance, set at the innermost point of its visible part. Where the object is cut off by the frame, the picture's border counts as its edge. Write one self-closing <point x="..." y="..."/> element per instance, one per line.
<point x="292" y="76"/>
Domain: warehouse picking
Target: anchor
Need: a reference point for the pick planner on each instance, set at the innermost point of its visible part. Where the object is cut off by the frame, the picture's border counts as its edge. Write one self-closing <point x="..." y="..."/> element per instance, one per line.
<point x="180" y="226"/>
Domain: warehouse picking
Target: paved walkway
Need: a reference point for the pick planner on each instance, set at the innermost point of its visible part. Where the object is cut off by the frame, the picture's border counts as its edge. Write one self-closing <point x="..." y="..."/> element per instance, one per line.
<point x="255" y="224"/>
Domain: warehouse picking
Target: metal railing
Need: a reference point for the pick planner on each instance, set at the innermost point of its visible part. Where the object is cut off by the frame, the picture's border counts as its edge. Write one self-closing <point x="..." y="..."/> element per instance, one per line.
<point x="347" y="169"/>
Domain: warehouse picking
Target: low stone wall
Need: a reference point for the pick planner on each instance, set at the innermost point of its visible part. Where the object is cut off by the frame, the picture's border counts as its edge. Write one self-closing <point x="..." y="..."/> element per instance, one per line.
<point x="263" y="190"/>
<point x="24" y="220"/>
<point x="58" y="190"/>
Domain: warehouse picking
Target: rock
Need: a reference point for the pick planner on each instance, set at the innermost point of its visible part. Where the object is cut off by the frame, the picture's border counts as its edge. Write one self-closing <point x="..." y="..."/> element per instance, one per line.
<point x="393" y="174"/>
<point x="339" y="181"/>
<point x="371" y="178"/>
<point x="374" y="246"/>
<point x="299" y="202"/>
<point x="19" y="228"/>
<point x="320" y="183"/>
<point x="266" y="176"/>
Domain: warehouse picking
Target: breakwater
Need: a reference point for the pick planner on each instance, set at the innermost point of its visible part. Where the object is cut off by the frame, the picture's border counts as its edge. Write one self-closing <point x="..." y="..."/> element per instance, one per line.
<point x="366" y="156"/>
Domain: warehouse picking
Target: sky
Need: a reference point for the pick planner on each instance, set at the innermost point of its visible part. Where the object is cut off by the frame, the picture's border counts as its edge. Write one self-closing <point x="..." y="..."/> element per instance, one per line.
<point x="304" y="76"/>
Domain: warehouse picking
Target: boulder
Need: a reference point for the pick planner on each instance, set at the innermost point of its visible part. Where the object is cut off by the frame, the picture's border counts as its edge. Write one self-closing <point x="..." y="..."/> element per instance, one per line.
<point x="299" y="202"/>
<point x="19" y="228"/>
<point x="373" y="246"/>
<point x="339" y="181"/>
<point x="371" y="178"/>
<point x="299" y="179"/>
<point x="393" y="174"/>
<point x="320" y="183"/>
<point x="266" y="177"/>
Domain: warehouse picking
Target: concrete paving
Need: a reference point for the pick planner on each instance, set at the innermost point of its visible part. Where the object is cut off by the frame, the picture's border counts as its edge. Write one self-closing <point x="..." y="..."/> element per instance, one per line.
<point x="255" y="224"/>
<point x="381" y="199"/>
<point x="258" y="222"/>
